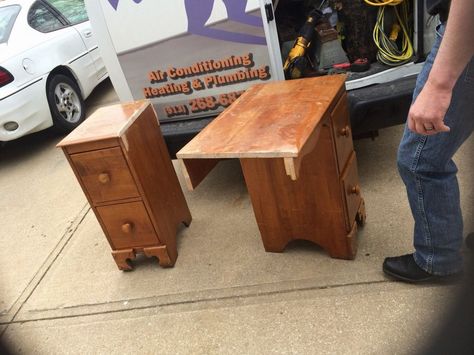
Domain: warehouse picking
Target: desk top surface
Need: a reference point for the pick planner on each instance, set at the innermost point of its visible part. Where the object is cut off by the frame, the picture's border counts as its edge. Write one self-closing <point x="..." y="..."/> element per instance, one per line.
<point x="269" y="120"/>
<point x="107" y="122"/>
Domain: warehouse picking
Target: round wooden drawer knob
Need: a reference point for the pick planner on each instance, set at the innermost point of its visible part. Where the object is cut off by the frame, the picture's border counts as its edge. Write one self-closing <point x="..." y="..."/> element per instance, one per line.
<point x="104" y="178"/>
<point x="127" y="228"/>
<point x="346" y="131"/>
<point x="355" y="190"/>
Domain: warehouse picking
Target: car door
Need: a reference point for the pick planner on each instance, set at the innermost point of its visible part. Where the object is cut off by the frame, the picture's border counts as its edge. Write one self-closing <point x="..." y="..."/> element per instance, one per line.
<point x="43" y="42"/>
<point x="74" y="12"/>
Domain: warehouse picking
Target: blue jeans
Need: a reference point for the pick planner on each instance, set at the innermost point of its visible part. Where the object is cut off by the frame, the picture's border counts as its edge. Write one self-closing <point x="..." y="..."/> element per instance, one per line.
<point x="429" y="173"/>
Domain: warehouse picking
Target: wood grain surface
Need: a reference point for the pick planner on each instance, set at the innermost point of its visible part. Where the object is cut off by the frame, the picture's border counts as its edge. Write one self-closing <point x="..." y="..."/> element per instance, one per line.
<point x="105" y="175"/>
<point x="153" y="170"/>
<point x="268" y="120"/>
<point x="195" y="170"/>
<point x="107" y="122"/>
<point x="342" y="132"/>
<point x="140" y="232"/>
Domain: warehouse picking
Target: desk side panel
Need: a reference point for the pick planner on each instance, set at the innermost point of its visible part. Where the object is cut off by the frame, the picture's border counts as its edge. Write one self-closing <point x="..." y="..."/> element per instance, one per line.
<point x="309" y="208"/>
<point x="196" y="170"/>
<point x="149" y="160"/>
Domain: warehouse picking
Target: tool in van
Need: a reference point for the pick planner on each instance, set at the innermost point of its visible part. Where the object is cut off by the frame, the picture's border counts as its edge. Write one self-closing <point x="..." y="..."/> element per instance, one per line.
<point x="297" y="59"/>
<point x="359" y="65"/>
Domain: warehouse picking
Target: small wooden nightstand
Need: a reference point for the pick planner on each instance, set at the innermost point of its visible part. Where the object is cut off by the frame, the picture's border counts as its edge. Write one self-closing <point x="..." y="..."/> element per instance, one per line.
<point x="121" y="161"/>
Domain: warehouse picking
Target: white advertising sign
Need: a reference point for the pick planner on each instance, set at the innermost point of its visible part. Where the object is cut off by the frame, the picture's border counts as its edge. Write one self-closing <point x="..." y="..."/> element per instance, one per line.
<point x="192" y="58"/>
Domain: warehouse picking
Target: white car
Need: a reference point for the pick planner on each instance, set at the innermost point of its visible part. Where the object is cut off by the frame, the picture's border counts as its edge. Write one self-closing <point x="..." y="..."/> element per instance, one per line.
<point x="49" y="63"/>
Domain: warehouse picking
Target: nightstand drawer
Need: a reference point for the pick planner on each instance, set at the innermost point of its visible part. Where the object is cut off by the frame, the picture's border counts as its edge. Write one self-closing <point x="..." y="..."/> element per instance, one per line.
<point x="342" y="131"/>
<point x="351" y="188"/>
<point x="128" y="225"/>
<point x="105" y="175"/>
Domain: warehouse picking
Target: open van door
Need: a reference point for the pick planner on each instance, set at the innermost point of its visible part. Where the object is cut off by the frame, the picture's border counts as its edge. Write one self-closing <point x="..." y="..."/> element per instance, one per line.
<point x="193" y="58"/>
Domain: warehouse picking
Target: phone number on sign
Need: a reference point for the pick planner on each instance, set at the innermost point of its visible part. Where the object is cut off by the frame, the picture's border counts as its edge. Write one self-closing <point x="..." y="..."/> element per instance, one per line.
<point x="211" y="103"/>
<point x="202" y="104"/>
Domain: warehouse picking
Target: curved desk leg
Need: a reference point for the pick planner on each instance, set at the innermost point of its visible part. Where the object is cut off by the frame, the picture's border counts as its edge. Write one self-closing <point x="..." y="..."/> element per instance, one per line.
<point x="348" y="250"/>
<point x="166" y="258"/>
<point x="310" y="207"/>
<point x="361" y="216"/>
<point x="123" y="257"/>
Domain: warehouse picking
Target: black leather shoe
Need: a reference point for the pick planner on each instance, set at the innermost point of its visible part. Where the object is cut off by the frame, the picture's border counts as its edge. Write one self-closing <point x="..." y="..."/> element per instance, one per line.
<point x="470" y="241"/>
<point x="404" y="268"/>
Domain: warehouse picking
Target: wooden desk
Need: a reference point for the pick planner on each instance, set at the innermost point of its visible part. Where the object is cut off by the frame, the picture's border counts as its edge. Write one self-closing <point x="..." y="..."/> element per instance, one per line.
<point x="121" y="161"/>
<point x="294" y="142"/>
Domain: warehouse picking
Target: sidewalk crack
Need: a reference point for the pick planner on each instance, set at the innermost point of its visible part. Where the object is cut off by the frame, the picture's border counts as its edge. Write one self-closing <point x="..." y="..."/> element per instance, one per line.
<point x="45" y="266"/>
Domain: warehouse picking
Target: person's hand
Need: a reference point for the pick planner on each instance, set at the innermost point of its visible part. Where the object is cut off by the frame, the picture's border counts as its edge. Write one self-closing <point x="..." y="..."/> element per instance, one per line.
<point x="427" y="113"/>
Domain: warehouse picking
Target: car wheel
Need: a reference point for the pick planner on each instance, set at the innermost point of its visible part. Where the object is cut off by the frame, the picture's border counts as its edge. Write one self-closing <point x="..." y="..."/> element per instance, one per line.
<point x="65" y="102"/>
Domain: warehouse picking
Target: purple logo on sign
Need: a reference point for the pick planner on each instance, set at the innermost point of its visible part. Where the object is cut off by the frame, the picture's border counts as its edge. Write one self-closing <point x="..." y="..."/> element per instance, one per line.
<point x="199" y="12"/>
<point x="115" y="3"/>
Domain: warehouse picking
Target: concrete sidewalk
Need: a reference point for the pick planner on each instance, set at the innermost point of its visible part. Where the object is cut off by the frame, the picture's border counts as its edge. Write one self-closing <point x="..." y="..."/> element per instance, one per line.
<point x="61" y="291"/>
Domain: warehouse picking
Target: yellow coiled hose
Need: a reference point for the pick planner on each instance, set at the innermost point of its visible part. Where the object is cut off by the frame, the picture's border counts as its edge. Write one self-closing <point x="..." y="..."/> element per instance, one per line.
<point x="384" y="2"/>
<point x="389" y="52"/>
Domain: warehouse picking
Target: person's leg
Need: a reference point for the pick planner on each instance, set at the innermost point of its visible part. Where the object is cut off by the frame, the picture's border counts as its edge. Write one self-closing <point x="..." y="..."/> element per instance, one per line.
<point x="429" y="173"/>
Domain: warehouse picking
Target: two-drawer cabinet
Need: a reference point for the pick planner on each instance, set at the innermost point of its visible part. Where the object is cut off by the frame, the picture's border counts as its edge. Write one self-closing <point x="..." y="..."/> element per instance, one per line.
<point x="122" y="164"/>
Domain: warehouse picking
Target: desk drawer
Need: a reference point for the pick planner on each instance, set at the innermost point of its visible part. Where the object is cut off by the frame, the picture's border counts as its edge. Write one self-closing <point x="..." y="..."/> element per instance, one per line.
<point x="351" y="188"/>
<point x="342" y="131"/>
<point x="105" y="175"/>
<point x="128" y="225"/>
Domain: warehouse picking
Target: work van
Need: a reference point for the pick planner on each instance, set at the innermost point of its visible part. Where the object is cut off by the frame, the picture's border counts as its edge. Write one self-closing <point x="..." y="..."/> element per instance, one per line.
<point x="193" y="58"/>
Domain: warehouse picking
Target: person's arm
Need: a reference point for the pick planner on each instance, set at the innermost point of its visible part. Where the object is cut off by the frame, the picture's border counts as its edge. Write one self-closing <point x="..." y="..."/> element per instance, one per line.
<point x="455" y="52"/>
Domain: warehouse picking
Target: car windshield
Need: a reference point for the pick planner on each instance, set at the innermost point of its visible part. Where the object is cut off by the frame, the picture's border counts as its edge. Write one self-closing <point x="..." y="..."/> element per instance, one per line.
<point x="7" y="19"/>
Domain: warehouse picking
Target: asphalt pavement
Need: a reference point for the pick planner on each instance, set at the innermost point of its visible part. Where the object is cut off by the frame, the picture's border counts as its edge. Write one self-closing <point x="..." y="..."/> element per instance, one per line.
<point x="61" y="292"/>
